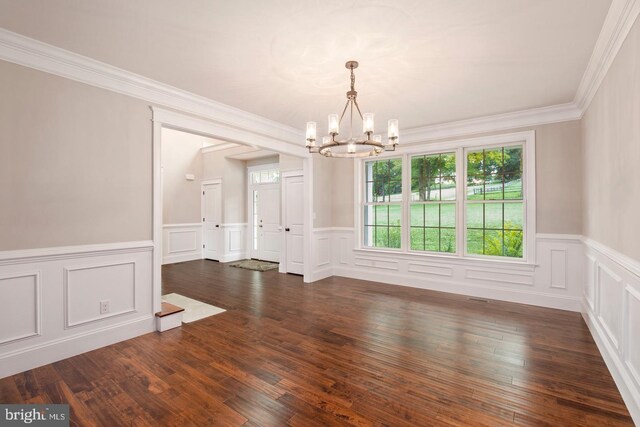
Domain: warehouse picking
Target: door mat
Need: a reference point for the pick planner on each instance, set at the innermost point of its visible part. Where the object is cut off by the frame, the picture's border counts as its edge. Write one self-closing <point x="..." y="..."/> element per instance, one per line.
<point x="256" y="265"/>
<point x="193" y="309"/>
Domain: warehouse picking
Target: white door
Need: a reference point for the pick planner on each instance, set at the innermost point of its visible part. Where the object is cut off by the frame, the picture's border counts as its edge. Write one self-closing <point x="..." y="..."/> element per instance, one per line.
<point x="294" y="224"/>
<point x="211" y="218"/>
<point x="266" y="222"/>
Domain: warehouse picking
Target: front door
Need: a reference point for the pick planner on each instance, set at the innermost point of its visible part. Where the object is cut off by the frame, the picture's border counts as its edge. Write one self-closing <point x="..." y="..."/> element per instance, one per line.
<point x="212" y="217"/>
<point x="266" y="222"/>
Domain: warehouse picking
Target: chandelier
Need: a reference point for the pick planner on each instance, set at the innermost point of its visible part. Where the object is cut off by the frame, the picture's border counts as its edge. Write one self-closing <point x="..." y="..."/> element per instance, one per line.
<point x="363" y="146"/>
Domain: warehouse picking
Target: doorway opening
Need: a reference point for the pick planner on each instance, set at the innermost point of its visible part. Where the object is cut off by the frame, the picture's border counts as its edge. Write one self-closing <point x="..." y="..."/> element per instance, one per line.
<point x="207" y="204"/>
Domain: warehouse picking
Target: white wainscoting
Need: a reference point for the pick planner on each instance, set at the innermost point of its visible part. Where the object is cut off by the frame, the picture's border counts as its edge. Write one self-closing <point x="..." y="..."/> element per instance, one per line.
<point x="181" y="242"/>
<point x="555" y="281"/>
<point x="611" y="309"/>
<point x="51" y="301"/>
<point x="234" y="242"/>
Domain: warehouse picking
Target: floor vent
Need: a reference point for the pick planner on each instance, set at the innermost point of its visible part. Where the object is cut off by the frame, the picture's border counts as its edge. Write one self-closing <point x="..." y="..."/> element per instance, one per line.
<point x="478" y="299"/>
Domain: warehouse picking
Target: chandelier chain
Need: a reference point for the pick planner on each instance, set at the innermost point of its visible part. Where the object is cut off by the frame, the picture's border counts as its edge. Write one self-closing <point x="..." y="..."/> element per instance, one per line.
<point x="353" y="80"/>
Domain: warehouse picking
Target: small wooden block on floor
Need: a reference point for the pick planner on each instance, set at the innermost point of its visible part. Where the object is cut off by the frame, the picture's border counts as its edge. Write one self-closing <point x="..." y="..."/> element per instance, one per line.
<point x="170" y="317"/>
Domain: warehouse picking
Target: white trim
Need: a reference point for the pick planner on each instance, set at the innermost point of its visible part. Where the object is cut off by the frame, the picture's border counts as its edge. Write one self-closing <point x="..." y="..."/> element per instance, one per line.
<point x="212" y="181"/>
<point x="71" y="345"/>
<point x="577" y="238"/>
<point x="237" y="133"/>
<point x="617" y="24"/>
<point x="626" y="262"/>
<point x="37" y="305"/>
<point x="62" y="252"/>
<point x="614" y="349"/>
<point x="219" y="147"/>
<point x="498" y="122"/>
<point x="233" y="224"/>
<point x="170" y="256"/>
<point x="309" y="243"/>
<point x="41" y="56"/>
<point x="184" y="225"/>
<point x="67" y="295"/>
<point x="526" y="138"/>
<point x="291" y="173"/>
<point x="265" y="166"/>
<point x="332" y="229"/>
<point x="623" y="380"/>
<point x="158" y="233"/>
<point x="522" y="296"/>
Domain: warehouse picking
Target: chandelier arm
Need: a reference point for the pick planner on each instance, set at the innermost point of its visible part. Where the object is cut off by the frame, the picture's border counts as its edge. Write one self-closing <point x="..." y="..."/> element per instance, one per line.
<point x="355" y="101"/>
<point x="343" y="111"/>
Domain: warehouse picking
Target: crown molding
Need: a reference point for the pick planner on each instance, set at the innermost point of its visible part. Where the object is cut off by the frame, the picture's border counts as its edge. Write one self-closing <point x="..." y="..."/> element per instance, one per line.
<point x="617" y="24"/>
<point x="498" y="122"/>
<point x="218" y="147"/>
<point x="31" y="53"/>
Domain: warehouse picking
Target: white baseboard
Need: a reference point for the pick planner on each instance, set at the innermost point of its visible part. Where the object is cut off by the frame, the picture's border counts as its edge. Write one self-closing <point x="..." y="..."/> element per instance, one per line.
<point x="322" y="274"/>
<point x="172" y="259"/>
<point x="52" y="351"/>
<point x="622" y="379"/>
<point x="232" y="257"/>
<point x="561" y="302"/>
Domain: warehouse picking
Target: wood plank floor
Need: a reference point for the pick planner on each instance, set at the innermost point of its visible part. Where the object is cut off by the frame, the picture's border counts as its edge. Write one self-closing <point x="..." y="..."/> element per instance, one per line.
<point x="337" y="352"/>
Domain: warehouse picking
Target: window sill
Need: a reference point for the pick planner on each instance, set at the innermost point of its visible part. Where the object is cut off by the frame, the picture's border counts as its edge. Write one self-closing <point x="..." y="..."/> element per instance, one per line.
<point x="451" y="259"/>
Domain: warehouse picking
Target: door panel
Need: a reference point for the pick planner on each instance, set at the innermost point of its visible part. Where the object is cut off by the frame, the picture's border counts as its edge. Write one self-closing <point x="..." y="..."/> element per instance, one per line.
<point x="212" y="217"/>
<point x="268" y="206"/>
<point x="294" y="224"/>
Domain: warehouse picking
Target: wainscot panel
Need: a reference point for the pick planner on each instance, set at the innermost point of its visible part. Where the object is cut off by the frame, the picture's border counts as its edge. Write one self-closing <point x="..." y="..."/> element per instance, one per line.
<point x="60" y="302"/>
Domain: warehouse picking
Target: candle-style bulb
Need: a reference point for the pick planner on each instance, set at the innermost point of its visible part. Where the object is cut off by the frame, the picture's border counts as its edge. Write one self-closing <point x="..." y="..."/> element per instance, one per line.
<point x="311" y="133"/>
<point x="393" y="128"/>
<point x="334" y="124"/>
<point x="367" y="122"/>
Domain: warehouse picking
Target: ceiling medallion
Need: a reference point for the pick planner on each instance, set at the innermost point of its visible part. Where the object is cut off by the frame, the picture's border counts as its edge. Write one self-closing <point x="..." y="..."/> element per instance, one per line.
<point x="364" y="146"/>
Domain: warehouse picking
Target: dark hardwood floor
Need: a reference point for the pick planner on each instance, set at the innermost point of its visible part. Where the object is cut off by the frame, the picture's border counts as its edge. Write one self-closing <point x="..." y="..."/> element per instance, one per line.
<point x="336" y="352"/>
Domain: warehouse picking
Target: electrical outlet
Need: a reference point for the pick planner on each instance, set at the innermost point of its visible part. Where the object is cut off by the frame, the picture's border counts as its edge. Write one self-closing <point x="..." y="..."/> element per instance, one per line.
<point x="104" y="307"/>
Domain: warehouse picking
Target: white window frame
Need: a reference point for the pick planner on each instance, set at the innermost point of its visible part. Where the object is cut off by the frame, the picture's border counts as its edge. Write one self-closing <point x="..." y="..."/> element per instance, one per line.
<point x="460" y="147"/>
<point x="363" y="203"/>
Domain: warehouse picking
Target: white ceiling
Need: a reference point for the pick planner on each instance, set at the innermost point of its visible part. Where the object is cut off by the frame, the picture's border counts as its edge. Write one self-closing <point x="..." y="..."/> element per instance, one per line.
<point x="421" y="61"/>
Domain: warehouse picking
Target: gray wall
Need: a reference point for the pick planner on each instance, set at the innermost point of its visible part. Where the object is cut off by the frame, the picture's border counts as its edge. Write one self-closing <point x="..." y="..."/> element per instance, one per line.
<point x="180" y="156"/>
<point x="75" y="163"/>
<point x="611" y="146"/>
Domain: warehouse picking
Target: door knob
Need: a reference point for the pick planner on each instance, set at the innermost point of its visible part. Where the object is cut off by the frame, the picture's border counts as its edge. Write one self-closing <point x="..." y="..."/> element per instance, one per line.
<point x="217" y="225"/>
<point x="286" y="229"/>
<point x="260" y="225"/>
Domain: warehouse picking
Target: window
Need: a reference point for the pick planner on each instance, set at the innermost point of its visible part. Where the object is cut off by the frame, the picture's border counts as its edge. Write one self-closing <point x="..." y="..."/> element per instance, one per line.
<point x="494" y="216"/>
<point x="265" y="176"/>
<point x="462" y="198"/>
<point x="383" y="204"/>
<point x="433" y="207"/>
